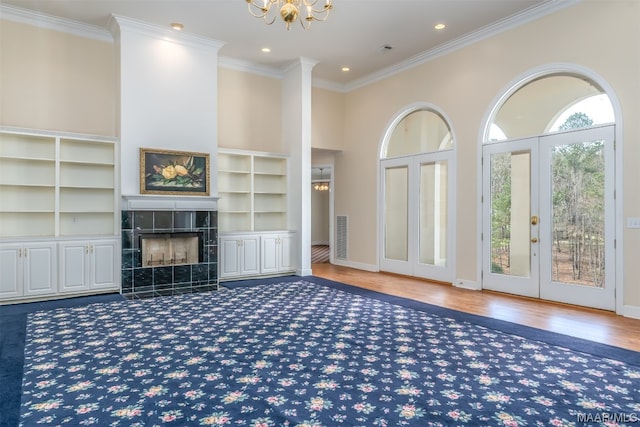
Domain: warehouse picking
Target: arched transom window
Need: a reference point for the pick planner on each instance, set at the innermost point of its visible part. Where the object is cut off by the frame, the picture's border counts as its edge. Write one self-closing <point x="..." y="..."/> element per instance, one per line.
<point x="422" y="131"/>
<point x="550" y="104"/>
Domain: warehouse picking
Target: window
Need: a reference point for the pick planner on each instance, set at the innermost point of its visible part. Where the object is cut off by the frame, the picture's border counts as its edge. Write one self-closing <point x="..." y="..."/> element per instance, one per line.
<point x="422" y="131"/>
<point x="550" y="104"/>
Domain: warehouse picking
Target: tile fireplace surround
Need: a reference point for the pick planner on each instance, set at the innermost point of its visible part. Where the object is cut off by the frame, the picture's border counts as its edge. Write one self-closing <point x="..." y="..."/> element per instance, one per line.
<point x="140" y="281"/>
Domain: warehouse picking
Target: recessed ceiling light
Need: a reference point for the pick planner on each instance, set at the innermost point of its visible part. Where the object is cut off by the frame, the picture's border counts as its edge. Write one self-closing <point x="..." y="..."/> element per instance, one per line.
<point x="345" y="69"/>
<point x="177" y="26"/>
<point x="439" y="26"/>
<point x="266" y="49"/>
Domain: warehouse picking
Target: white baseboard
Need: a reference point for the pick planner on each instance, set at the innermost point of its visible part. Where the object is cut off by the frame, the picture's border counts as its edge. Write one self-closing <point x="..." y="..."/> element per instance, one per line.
<point x="467" y="284"/>
<point x="303" y="272"/>
<point x="356" y="265"/>
<point x="631" y="311"/>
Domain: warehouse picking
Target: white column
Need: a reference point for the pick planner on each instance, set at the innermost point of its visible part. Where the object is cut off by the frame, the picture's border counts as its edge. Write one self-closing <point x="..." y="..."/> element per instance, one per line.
<point x="296" y="134"/>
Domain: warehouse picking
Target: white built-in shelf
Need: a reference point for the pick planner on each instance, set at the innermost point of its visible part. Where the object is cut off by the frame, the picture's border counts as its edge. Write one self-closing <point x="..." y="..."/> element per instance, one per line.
<point x="56" y="184"/>
<point x="253" y="191"/>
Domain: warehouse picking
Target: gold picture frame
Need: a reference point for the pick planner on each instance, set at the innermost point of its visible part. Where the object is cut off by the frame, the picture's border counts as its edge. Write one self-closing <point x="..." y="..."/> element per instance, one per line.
<point x="182" y="173"/>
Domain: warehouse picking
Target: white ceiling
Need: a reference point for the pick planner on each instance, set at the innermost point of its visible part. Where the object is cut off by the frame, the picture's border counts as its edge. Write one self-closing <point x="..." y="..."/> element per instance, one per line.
<point x="353" y="35"/>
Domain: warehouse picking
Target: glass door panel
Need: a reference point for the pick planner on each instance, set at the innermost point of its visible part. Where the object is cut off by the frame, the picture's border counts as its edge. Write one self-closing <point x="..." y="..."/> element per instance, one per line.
<point x="396" y="211"/>
<point x="433" y="213"/>
<point x="577" y="213"/>
<point x="510" y="233"/>
<point x="578" y="259"/>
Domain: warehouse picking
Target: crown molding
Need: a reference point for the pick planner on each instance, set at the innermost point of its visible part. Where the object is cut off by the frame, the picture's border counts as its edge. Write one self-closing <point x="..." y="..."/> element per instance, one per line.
<point x="273" y="72"/>
<point x="329" y="85"/>
<point x="117" y="23"/>
<point x="49" y="22"/>
<point x="488" y="31"/>
<point x="249" y="67"/>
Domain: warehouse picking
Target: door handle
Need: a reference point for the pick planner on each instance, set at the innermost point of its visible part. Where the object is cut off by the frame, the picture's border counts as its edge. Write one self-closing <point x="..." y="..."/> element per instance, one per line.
<point x="534" y="240"/>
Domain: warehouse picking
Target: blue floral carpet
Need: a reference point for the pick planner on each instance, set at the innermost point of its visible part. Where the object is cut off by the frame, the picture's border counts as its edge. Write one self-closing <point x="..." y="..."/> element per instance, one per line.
<point x="299" y="353"/>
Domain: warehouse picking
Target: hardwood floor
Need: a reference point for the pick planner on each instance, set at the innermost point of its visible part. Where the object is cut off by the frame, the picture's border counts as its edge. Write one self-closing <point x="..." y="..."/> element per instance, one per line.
<point x="595" y="325"/>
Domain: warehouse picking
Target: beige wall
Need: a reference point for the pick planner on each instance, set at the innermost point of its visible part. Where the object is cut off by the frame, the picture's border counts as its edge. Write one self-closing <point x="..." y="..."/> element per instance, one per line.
<point x="249" y="111"/>
<point x="56" y="81"/>
<point x="601" y="36"/>
<point x="327" y="123"/>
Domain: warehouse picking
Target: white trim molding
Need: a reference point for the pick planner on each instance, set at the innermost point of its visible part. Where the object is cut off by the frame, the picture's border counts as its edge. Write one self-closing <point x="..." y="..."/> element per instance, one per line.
<point x="24" y="16"/>
<point x="467" y="284"/>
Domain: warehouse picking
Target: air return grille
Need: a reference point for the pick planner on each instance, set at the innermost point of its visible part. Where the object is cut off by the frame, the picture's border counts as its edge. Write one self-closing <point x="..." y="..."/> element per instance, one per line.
<point x="341" y="236"/>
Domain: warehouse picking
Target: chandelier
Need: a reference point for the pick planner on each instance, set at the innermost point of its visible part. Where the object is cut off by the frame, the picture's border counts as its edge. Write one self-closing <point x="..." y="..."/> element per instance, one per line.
<point x="321" y="185"/>
<point x="289" y="11"/>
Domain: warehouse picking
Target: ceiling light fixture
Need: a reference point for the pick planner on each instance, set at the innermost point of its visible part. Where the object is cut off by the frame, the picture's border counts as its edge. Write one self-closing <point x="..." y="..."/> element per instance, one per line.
<point x="439" y="26"/>
<point x="177" y="26"/>
<point x="289" y="11"/>
<point x="321" y="185"/>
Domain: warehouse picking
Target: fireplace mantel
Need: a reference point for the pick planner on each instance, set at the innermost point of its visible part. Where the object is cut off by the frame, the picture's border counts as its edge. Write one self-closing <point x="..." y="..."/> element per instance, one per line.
<point x="169" y="203"/>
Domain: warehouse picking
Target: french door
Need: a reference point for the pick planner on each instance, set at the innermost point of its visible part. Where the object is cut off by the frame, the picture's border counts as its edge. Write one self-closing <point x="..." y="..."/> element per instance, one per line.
<point x="548" y="217"/>
<point x="416" y="216"/>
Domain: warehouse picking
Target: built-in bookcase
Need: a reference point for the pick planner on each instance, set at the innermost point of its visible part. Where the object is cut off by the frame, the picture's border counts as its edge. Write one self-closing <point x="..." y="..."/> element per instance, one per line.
<point x="55" y="185"/>
<point x="253" y="191"/>
<point x="27" y="184"/>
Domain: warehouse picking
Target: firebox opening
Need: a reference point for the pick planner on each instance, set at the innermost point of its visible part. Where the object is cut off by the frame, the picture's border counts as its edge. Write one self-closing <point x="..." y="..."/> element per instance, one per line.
<point x="160" y="249"/>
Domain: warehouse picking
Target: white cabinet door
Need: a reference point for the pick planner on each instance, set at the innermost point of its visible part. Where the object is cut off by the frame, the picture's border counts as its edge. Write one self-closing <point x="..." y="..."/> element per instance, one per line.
<point x="86" y="265"/>
<point x="287" y="252"/>
<point x="269" y="254"/>
<point x="103" y="266"/>
<point x="10" y="271"/>
<point x="277" y="253"/>
<point x="239" y="255"/>
<point x="39" y="269"/>
<point x="73" y="267"/>
<point x="250" y="259"/>
<point x="229" y="257"/>
<point x="27" y="270"/>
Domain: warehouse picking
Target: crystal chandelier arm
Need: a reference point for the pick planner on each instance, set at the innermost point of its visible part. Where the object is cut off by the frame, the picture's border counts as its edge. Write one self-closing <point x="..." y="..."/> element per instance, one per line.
<point x="260" y="10"/>
<point x="326" y="7"/>
<point x="315" y="14"/>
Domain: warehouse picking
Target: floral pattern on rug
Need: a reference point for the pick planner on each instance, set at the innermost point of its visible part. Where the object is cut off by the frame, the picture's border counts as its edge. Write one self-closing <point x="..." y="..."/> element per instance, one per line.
<point x="307" y="355"/>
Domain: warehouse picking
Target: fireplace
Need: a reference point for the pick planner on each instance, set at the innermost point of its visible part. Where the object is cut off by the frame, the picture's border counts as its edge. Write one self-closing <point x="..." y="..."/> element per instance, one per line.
<point x="168" y="251"/>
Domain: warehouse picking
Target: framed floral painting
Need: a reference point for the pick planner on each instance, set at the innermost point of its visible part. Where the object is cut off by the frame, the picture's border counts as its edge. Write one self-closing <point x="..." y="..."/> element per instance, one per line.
<point x="174" y="172"/>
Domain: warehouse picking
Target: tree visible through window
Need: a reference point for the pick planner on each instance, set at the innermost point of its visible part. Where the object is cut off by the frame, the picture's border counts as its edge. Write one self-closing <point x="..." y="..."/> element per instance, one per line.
<point x="578" y="208"/>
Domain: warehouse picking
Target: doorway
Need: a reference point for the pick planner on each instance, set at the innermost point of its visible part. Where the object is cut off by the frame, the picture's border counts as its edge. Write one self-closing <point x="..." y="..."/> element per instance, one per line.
<point x="321" y="202"/>
<point x="548" y="217"/>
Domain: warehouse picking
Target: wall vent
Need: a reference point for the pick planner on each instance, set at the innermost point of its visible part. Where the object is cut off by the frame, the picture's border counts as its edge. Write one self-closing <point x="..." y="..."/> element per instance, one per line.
<point x="342" y="233"/>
